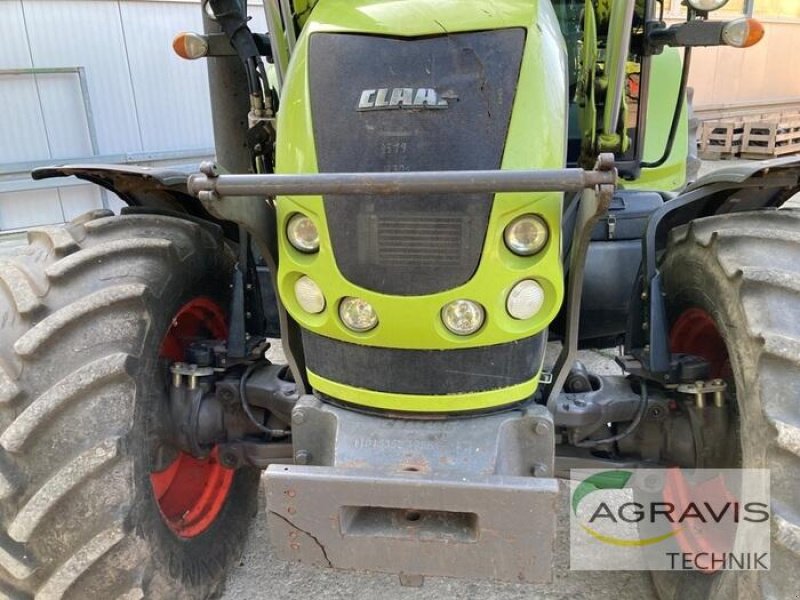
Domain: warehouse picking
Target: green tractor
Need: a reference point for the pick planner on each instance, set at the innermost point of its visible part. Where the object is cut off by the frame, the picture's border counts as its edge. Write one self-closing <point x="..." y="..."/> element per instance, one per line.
<point x="414" y="197"/>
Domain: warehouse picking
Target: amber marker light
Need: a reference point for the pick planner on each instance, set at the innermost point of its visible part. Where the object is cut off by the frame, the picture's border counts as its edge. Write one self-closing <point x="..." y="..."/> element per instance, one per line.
<point x="743" y="33"/>
<point x="190" y="45"/>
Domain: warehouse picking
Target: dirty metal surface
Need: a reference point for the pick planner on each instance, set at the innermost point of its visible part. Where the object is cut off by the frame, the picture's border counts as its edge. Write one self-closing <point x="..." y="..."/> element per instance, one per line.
<point x="412" y="523"/>
<point x="517" y="442"/>
<point x="460" y="497"/>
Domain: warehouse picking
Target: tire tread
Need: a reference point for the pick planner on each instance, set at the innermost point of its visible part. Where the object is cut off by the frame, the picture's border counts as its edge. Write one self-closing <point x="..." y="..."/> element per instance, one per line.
<point x="757" y="255"/>
<point x="73" y="387"/>
<point x="59" y="486"/>
<point x="73" y="282"/>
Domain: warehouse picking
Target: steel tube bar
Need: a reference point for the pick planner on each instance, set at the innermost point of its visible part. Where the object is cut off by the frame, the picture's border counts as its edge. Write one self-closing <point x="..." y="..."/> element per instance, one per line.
<point x="425" y="182"/>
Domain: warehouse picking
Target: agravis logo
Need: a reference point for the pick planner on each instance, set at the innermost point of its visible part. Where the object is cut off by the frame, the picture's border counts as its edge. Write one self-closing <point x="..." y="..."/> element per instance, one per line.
<point x="636" y="512"/>
<point x="603" y="481"/>
<point x="707" y="519"/>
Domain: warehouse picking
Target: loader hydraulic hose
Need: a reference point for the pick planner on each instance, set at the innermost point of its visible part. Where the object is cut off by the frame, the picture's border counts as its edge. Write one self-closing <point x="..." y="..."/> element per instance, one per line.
<point x="232" y="17"/>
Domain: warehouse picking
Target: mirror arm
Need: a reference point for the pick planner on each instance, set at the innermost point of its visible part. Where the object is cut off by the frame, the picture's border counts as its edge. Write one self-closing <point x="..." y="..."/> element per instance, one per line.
<point x="691" y="34"/>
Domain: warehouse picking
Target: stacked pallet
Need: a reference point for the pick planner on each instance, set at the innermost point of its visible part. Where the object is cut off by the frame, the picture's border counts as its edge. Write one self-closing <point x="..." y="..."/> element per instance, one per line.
<point x="721" y="140"/>
<point x="772" y="138"/>
<point x="756" y="137"/>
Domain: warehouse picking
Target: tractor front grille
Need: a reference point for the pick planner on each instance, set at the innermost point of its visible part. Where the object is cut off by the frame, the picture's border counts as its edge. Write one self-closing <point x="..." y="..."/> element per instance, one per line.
<point x="417" y="240"/>
<point x="402" y="244"/>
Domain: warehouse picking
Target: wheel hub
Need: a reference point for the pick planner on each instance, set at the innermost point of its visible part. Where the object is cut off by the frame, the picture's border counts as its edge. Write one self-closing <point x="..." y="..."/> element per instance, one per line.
<point x="694" y="332"/>
<point x="191" y="492"/>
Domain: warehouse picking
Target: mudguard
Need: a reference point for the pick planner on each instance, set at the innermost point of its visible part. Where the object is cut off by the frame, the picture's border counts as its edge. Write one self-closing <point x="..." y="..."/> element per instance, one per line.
<point x="752" y="186"/>
<point x="164" y="190"/>
<point x="145" y="187"/>
<point x="742" y="172"/>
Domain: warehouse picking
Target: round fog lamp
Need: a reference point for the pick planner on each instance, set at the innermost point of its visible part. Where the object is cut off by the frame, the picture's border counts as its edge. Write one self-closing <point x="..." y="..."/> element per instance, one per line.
<point x="309" y="296"/>
<point x="707" y="5"/>
<point x="302" y="233"/>
<point x="463" y="317"/>
<point x="526" y="235"/>
<point x="525" y="299"/>
<point x="357" y="314"/>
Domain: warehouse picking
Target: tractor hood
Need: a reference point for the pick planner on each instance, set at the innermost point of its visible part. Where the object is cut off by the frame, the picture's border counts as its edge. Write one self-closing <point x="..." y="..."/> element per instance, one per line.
<point x="540" y="97"/>
<point x="416" y="18"/>
<point x="414" y="85"/>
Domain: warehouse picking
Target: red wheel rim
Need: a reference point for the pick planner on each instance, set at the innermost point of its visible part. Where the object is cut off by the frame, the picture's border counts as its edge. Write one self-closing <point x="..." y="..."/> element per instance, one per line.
<point x="695" y="333"/>
<point x="696" y="538"/>
<point x="191" y="492"/>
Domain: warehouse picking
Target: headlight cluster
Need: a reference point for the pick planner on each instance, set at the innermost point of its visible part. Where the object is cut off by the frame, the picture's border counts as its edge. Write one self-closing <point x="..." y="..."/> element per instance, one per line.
<point x="465" y="317"/>
<point x="355" y="313"/>
<point x="461" y="317"/>
<point x="526" y="235"/>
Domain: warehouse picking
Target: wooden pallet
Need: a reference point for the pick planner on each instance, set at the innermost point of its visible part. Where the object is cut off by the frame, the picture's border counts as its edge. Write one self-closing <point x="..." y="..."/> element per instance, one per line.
<point x="721" y="139"/>
<point x="771" y="138"/>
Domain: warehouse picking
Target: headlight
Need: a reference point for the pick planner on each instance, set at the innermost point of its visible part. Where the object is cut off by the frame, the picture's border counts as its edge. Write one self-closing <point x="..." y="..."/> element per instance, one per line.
<point x="309" y="296"/>
<point x="526" y="235"/>
<point x="707" y="5"/>
<point x="463" y="317"/>
<point x="357" y="314"/>
<point x="302" y="233"/>
<point x="525" y="299"/>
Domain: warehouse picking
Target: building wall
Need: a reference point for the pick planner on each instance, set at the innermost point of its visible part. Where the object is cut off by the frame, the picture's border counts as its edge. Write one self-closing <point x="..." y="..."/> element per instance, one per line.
<point x="95" y="80"/>
<point x="108" y="88"/>
<point x="731" y="76"/>
<point x="759" y="76"/>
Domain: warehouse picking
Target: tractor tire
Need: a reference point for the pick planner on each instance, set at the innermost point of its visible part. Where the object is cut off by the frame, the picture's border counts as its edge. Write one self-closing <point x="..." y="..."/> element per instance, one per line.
<point x="738" y="277"/>
<point x="84" y="311"/>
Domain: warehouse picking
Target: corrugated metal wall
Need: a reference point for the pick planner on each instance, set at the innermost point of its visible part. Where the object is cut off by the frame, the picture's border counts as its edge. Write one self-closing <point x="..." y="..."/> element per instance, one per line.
<point x="94" y="80"/>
